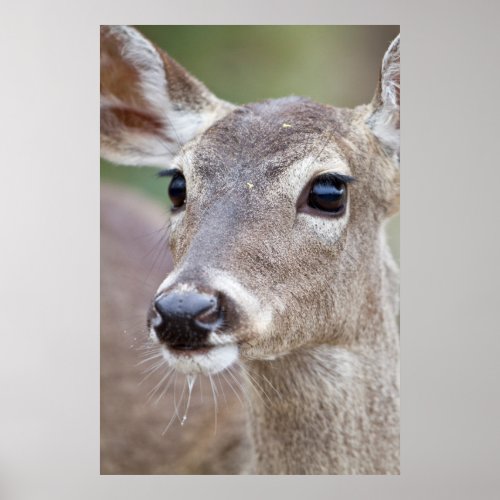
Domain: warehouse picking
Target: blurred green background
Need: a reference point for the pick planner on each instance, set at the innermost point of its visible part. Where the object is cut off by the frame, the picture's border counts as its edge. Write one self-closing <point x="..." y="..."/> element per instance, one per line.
<point x="336" y="65"/>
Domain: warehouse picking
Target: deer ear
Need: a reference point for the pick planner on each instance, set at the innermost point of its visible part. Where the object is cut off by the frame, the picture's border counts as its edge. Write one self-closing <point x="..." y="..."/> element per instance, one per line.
<point x="150" y="105"/>
<point x="384" y="120"/>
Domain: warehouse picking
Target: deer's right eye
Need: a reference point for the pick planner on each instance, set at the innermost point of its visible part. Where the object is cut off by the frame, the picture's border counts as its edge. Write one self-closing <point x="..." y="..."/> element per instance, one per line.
<point x="328" y="194"/>
<point x="177" y="190"/>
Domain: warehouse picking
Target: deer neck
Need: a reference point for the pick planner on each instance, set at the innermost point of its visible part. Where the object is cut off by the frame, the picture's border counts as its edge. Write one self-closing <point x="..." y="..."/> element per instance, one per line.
<point x="330" y="409"/>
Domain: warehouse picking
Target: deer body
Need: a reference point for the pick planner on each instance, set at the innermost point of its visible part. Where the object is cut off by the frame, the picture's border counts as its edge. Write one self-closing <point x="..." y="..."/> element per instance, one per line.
<point x="280" y="257"/>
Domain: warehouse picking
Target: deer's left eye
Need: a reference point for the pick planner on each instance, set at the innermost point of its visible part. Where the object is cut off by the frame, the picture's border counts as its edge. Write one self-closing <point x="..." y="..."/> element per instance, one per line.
<point x="177" y="190"/>
<point x="329" y="194"/>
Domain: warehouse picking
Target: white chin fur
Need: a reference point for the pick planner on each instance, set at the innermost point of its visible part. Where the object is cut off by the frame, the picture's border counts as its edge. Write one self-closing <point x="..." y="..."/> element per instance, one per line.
<point x="213" y="361"/>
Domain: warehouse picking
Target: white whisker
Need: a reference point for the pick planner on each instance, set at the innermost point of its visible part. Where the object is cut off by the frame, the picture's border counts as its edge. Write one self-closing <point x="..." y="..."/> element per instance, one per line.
<point x="153" y="391"/>
<point x="232" y="388"/>
<point x="191" y="379"/>
<point x="256" y="386"/>
<point x="150" y="371"/>
<point x="272" y="386"/>
<point x="201" y="388"/>
<point x="157" y="355"/>
<point x="215" y="401"/>
<point x="180" y="401"/>
<point x="167" y="385"/>
<point x="222" y="388"/>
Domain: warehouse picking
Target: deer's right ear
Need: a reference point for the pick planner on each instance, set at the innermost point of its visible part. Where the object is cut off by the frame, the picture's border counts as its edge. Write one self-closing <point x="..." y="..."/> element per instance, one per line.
<point x="384" y="120"/>
<point x="150" y="105"/>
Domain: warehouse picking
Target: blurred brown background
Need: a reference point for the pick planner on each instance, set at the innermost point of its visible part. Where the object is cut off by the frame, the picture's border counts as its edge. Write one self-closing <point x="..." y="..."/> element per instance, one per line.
<point x="336" y="65"/>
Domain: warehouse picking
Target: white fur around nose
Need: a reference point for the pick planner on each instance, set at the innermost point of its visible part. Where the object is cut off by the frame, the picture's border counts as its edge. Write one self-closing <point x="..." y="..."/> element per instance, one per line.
<point x="258" y="314"/>
<point x="168" y="281"/>
<point x="213" y="361"/>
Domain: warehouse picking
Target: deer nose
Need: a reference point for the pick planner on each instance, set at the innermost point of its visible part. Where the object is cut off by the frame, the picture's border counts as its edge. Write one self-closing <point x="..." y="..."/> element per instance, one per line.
<point x="185" y="320"/>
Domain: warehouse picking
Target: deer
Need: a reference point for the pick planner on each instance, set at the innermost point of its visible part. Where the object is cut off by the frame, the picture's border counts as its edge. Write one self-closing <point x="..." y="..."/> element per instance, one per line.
<point x="280" y="258"/>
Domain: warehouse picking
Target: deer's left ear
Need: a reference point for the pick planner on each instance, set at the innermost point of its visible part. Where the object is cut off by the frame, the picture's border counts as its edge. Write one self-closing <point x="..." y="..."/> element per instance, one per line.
<point x="150" y="105"/>
<point x="384" y="120"/>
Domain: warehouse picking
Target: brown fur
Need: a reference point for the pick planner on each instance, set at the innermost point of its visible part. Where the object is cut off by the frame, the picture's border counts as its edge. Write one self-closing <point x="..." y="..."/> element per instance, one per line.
<point x="328" y="358"/>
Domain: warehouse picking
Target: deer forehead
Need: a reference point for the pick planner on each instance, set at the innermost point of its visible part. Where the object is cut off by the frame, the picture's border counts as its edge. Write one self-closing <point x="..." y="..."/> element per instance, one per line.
<point x="286" y="139"/>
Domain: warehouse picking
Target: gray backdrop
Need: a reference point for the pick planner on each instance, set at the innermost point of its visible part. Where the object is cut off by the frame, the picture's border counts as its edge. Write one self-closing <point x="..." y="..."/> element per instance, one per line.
<point x="49" y="294"/>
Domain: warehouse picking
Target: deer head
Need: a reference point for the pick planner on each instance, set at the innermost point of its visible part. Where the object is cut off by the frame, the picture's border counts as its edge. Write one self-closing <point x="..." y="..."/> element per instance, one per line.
<point x="278" y="206"/>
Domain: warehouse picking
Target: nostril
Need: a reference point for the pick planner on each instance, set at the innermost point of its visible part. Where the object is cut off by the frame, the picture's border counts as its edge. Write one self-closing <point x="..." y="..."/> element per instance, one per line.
<point x="211" y="316"/>
<point x="155" y="319"/>
<point x="186" y="317"/>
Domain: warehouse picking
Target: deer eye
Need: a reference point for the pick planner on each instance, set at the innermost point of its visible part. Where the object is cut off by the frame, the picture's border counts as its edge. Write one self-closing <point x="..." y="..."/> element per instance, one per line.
<point x="177" y="190"/>
<point x="329" y="194"/>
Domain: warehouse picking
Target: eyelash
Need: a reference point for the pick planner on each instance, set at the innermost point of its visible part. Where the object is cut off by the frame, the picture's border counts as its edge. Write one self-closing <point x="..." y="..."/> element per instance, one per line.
<point x="168" y="172"/>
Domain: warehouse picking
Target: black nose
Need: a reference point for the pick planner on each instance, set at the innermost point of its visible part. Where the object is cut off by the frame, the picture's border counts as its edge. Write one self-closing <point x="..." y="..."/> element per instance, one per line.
<point x="186" y="319"/>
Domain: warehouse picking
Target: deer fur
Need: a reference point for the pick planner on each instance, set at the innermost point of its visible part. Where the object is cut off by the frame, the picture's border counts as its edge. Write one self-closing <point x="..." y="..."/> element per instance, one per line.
<point x="316" y="296"/>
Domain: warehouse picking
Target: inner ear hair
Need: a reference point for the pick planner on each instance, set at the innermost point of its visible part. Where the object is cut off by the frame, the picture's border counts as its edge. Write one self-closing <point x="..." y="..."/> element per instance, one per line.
<point x="385" y="118"/>
<point x="150" y="105"/>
